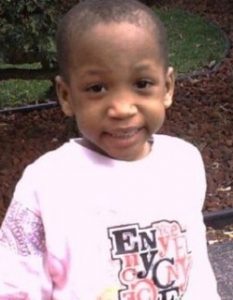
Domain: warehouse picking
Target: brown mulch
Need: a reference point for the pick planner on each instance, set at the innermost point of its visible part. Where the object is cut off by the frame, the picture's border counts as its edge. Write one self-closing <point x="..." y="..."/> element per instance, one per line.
<point x="202" y="113"/>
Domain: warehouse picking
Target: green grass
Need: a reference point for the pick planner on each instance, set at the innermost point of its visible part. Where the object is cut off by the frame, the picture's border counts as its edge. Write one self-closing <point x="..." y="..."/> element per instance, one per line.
<point x="193" y="44"/>
<point x="32" y="66"/>
<point x="19" y="92"/>
<point x="16" y="92"/>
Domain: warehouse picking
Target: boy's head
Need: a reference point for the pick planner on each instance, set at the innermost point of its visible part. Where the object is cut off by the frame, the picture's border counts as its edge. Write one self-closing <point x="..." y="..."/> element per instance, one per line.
<point x="115" y="78"/>
<point x="89" y="13"/>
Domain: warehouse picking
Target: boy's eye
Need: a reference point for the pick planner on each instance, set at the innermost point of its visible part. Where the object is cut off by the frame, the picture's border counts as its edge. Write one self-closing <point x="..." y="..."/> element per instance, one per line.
<point x="96" y="88"/>
<point x="143" y="84"/>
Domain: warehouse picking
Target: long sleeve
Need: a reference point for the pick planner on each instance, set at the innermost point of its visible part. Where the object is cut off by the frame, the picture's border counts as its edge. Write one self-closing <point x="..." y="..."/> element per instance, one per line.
<point x="23" y="272"/>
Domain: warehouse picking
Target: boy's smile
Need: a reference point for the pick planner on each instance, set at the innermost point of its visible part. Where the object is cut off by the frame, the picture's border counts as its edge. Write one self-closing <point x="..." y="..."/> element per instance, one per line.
<point x="118" y="88"/>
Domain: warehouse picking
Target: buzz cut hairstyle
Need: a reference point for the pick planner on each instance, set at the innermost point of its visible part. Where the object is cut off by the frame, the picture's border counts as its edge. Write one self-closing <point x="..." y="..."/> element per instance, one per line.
<point x="88" y="13"/>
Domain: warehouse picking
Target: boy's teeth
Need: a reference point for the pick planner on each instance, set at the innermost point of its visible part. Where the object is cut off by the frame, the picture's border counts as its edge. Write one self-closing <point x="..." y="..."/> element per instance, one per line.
<point x="125" y="134"/>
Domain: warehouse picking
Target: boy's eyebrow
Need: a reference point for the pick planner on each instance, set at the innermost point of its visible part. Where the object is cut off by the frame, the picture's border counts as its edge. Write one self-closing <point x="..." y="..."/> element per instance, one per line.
<point x="98" y="71"/>
<point x="94" y="71"/>
<point x="142" y="66"/>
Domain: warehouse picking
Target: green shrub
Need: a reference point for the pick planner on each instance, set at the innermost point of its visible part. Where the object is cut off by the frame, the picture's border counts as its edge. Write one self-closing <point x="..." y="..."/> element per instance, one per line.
<point x="27" y="30"/>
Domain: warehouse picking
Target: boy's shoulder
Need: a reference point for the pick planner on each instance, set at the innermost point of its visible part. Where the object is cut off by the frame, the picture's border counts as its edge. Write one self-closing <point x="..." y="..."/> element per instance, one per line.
<point x="176" y="152"/>
<point x="56" y="155"/>
<point x="56" y="159"/>
<point x="174" y="145"/>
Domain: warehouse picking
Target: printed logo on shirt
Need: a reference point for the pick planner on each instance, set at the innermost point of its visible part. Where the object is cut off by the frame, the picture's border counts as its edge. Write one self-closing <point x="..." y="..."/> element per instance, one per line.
<point x="23" y="231"/>
<point x="154" y="262"/>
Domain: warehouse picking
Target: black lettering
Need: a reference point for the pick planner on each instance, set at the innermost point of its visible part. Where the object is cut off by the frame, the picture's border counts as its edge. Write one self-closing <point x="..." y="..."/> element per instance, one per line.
<point x="169" y="294"/>
<point x="155" y="275"/>
<point x="124" y="242"/>
<point x="147" y="259"/>
<point x="146" y="240"/>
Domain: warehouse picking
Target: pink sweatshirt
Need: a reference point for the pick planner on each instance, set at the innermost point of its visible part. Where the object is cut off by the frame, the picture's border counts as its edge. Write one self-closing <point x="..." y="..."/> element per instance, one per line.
<point x="82" y="226"/>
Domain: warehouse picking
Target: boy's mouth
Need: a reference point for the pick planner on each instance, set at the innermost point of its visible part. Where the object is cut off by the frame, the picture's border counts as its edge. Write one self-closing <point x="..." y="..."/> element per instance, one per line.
<point x="124" y="133"/>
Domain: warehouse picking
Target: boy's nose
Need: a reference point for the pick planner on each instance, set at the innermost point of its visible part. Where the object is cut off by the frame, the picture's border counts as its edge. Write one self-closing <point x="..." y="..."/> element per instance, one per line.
<point x="122" y="109"/>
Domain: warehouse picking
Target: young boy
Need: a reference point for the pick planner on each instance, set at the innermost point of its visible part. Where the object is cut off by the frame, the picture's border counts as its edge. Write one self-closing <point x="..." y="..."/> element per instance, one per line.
<point x="115" y="214"/>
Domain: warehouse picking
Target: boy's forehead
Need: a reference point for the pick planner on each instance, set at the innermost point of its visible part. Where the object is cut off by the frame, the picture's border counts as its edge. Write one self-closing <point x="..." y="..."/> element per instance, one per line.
<point x="109" y="33"/>
<point x="76" y="37"/>
<point x="114" y="44"/>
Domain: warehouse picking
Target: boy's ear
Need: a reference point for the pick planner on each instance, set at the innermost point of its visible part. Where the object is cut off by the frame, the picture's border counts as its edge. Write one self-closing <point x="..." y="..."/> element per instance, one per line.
<point x="170" y="86"/>
<point x="63" y="94"/>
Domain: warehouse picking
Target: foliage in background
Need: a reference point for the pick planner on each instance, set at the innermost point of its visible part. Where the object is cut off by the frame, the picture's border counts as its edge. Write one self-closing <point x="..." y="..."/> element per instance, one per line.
<point x="27" y="30"/>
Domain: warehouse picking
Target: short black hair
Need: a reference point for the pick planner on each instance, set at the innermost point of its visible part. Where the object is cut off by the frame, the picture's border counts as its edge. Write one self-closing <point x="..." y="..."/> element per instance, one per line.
<point x="88" y="13"/>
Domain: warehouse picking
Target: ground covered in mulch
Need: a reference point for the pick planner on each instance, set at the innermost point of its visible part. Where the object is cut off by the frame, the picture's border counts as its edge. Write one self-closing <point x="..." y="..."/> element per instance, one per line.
<point x="202" y="113"/>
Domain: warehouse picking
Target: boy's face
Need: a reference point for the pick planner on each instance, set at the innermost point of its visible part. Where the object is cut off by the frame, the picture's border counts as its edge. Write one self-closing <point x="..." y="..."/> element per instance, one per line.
<point x="118" y="89"/>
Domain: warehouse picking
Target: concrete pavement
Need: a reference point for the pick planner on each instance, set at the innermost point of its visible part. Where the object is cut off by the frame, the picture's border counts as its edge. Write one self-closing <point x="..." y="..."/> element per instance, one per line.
<point x="221" y="257"/>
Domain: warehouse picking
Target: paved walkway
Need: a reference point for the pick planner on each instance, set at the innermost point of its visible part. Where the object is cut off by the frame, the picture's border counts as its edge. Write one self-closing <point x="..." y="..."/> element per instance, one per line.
<point x="221" y="257"/>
